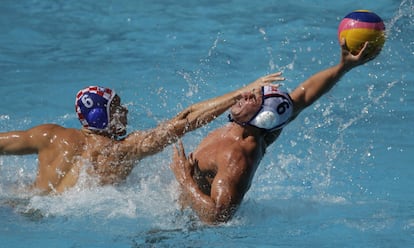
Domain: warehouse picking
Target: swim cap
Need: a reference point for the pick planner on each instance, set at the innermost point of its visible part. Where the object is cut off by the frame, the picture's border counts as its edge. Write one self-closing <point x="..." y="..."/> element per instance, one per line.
<point x="93" y="106"/>
<point x="276" y="110"/>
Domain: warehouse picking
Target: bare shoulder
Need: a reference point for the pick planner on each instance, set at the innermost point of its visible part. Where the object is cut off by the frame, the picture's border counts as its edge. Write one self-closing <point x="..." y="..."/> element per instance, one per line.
<point x="136" y="137"/>
<point x="36" y="139"/>
<point x="47" y="127"/>
<point x="222" y="154"/>
<point x="48" y="131"/>
<point x="135" y="141"/>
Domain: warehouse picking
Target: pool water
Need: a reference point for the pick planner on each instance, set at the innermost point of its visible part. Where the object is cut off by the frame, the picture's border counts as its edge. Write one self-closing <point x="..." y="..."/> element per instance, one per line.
<point x="340" y="175"/>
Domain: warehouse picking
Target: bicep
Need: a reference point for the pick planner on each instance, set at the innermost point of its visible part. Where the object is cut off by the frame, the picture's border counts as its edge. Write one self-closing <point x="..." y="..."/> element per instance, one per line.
<point x="298" y="97"/>
<point x="227" y="195"/>
<point x="12" y="142"/>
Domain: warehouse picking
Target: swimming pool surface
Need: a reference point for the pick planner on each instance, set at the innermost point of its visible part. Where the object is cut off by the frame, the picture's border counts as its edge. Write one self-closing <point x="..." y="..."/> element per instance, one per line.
<point x="340" y="175"/>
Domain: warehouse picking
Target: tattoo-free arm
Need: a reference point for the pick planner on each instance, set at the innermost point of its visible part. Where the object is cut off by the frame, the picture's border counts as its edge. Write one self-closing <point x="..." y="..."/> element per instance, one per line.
<point x="320" y="83"/>
<point x="150" y="142"/>
<point x="225" y="195"/>
<point x="24" y="142"/>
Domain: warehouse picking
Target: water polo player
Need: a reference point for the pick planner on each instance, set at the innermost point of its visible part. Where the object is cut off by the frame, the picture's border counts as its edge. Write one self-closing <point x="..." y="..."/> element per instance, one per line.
<point x="100" y="109"/>
<point x="274" y="111"/>
<point x="217" y="175"/>
<point x="101" y="148"/>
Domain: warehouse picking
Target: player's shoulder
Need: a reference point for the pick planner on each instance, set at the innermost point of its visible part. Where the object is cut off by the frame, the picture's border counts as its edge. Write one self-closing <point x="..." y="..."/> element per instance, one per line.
<point x="51" y="129"/>
<point x="46" y="128"/>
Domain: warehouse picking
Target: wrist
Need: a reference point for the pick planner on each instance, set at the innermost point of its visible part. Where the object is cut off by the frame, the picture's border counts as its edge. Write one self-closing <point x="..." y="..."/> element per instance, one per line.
<point x="344" y="67"/>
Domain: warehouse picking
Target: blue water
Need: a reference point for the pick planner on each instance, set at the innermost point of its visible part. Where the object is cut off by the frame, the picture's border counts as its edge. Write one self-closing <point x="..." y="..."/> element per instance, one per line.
<point x="341" y="175"/>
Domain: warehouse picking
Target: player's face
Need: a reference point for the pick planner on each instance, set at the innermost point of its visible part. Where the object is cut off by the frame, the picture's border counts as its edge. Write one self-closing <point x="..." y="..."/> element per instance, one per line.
<point x="118" y="119"/>
<point x="245" y="108"/>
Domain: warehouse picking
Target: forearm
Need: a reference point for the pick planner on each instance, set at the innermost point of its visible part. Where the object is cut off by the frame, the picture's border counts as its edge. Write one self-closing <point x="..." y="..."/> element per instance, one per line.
<point x="191" y="118"/>
<point x="320" y="83"/>
<point x="201" y="203"/>
<point x="201" y="113"/>
<point x="204" y="112"/>
<point x="317" y="85"/>
<point x="218" y="105"/>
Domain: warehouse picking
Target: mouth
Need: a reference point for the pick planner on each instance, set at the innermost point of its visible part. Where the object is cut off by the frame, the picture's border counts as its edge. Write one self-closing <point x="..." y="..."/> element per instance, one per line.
<point x="120" y="130"/>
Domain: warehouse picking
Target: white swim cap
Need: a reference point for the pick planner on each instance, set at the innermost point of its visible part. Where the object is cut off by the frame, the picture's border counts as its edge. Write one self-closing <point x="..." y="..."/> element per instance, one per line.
<point x="276" y="110"/>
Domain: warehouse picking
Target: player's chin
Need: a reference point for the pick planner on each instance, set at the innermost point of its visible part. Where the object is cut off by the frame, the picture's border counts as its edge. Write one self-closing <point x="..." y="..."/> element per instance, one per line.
<point x="119" y="130"/>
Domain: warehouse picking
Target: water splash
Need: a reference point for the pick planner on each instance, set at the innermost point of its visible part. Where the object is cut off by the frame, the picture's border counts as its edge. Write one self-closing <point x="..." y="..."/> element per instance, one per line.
<point x="269" y="50"/>
<point x="374" y="101"/>
<point x="406" y="9"/>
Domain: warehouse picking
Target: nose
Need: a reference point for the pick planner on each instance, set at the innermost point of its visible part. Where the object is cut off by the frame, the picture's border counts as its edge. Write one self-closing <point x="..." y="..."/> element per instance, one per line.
<point x="122" y="109"/>
<point x="125" y="109"/>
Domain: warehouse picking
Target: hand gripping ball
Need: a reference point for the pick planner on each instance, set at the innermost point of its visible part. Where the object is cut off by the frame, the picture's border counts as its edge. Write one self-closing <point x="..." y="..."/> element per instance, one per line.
<point x="360" y="26"/>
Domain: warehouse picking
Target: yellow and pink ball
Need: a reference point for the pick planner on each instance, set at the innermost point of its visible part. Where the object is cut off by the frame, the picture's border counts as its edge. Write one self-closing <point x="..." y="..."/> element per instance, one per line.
<point x="360" y="26"/>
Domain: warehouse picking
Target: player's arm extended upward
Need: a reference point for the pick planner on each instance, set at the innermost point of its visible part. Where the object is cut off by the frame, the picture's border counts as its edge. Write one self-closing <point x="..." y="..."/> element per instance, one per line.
<point x="320" y="83"/>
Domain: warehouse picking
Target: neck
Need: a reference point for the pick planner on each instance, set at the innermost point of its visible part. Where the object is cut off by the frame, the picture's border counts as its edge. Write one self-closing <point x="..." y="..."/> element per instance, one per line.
<point x="97" y="132"/>
<point x="251" y="137"/>
<point x="248" y="130"/>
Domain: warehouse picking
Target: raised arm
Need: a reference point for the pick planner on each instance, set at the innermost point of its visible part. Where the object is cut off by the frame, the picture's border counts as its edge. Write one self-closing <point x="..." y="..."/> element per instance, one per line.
<point x="193" y="117"/>
<point x="320" y="83"/>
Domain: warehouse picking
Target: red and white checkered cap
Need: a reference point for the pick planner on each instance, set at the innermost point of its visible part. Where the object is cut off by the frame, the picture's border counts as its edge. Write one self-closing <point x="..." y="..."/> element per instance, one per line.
<point x="92" y="106"/>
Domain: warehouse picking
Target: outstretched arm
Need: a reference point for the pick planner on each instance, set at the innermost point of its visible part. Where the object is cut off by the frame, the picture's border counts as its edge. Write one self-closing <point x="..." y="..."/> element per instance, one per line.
<point x="15" y="143"/>
<point x="25" y="142"/>
<point x="317" y="85"/>
<point x="320" y="83"/>
<point x="204" y="112"/>
<point x="193" y="117"/>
